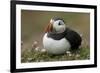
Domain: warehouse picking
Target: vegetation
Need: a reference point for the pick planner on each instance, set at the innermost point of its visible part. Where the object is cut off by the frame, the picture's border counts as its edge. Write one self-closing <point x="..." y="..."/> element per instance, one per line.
<point x="31" y="55"/>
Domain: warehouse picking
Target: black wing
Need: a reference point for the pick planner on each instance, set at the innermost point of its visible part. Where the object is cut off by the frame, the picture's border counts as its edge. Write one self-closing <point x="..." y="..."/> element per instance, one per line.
<point x="74" y="38"/>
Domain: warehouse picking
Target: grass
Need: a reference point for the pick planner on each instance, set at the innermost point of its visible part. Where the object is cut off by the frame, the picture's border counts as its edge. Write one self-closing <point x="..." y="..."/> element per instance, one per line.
<point x="31" y="55"/>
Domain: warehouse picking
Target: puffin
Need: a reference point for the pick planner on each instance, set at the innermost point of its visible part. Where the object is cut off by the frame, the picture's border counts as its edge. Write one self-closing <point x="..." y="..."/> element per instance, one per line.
<point x="58" y="38"/>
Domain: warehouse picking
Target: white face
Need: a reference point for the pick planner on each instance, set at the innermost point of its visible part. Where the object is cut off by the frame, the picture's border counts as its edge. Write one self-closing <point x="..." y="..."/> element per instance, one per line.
<point x="58" y="26"/>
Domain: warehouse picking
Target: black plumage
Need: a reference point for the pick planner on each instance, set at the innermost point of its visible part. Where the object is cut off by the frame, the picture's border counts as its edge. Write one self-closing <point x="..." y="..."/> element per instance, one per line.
<point x="72" y="36"/>
<point x="57" y="18"/>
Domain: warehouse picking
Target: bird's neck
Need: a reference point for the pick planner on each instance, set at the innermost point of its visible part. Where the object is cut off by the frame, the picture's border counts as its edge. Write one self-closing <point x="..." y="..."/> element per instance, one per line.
<point x="55" y="35"/>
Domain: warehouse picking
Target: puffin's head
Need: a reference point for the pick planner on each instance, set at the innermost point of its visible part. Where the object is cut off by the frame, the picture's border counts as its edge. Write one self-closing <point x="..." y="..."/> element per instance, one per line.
<point x="56" y="25"/>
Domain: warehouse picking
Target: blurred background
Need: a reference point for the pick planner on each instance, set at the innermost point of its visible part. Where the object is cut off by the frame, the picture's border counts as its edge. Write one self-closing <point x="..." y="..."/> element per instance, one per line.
<point x="33" y="24"/>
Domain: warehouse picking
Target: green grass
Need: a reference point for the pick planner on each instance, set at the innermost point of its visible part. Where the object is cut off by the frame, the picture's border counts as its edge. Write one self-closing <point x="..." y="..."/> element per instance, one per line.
<point x="31" y="55"/>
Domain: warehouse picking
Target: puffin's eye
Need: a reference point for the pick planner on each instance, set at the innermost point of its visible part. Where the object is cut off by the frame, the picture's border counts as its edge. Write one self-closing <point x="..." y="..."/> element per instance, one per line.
<point x="59" y="23"/>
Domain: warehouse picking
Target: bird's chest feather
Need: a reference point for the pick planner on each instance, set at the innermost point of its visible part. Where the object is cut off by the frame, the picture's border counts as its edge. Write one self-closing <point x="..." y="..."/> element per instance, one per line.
<point x="57" y="46"/>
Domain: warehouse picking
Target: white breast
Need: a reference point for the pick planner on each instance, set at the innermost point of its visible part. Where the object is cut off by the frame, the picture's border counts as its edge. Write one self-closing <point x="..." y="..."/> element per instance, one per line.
<point x="55" y="46"/>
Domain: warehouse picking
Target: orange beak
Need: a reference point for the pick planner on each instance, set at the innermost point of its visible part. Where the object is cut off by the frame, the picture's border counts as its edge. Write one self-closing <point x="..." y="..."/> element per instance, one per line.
<point x="49" y="28"/>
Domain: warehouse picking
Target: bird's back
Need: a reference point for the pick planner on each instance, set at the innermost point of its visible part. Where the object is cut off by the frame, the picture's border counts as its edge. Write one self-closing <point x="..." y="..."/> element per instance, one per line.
<point x="74" y="38"/>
